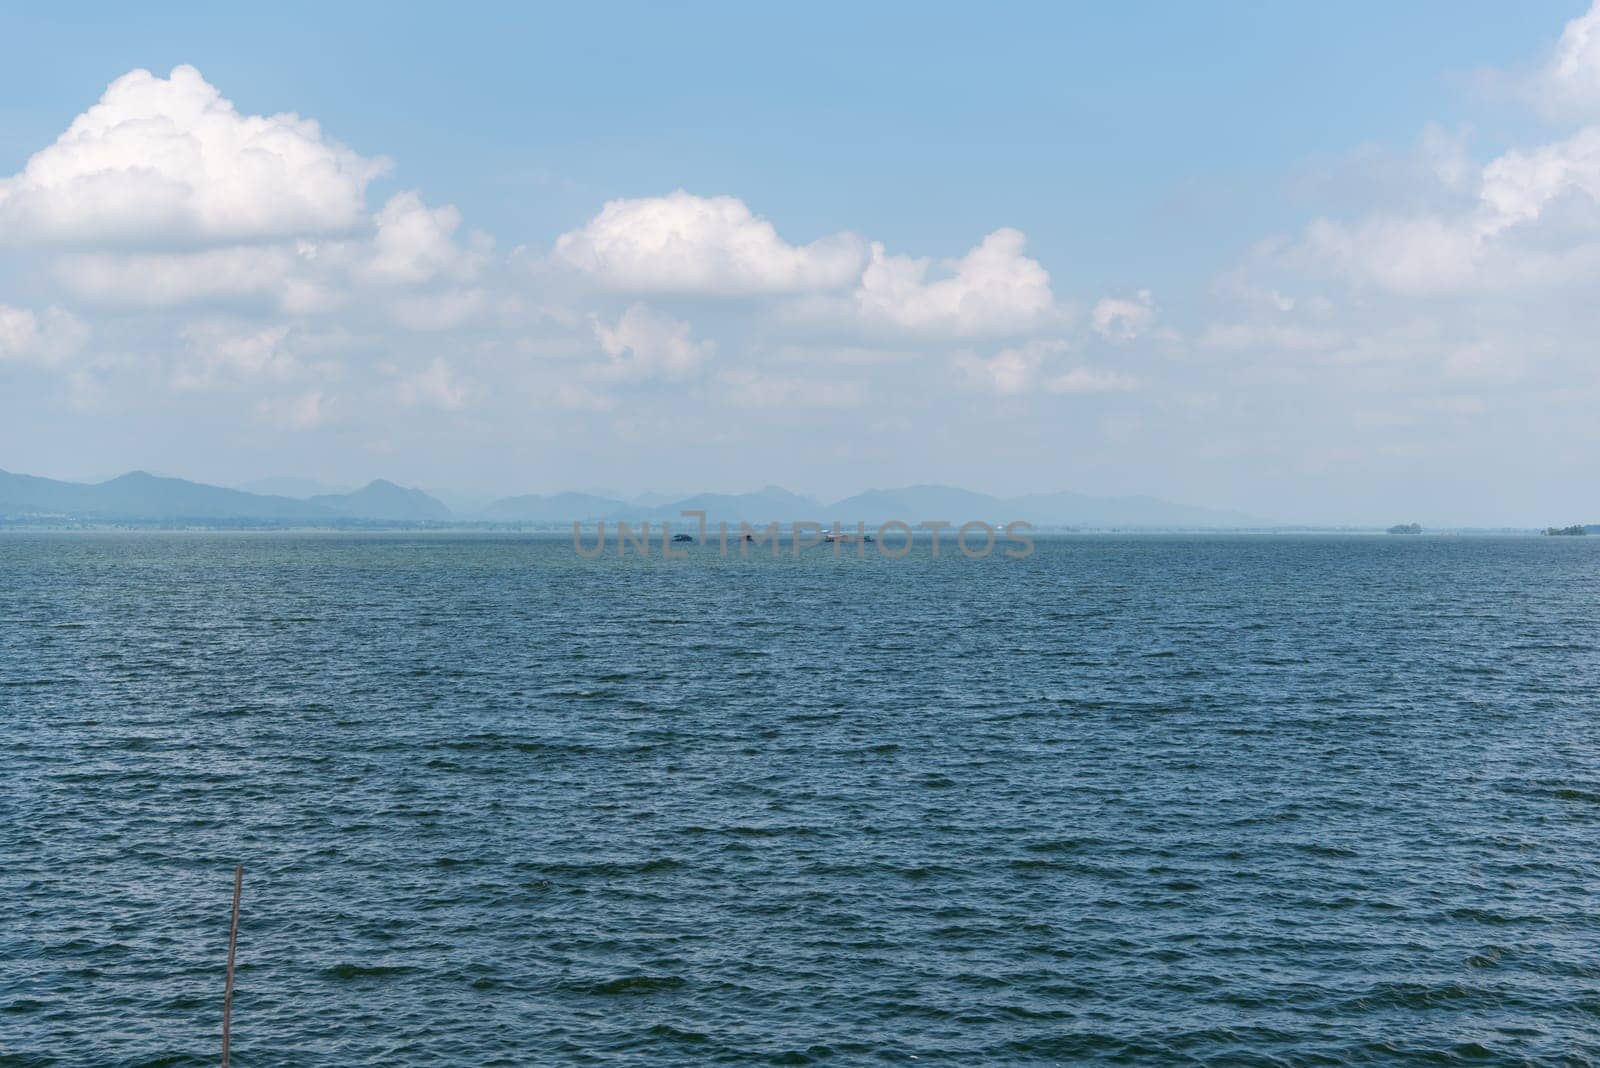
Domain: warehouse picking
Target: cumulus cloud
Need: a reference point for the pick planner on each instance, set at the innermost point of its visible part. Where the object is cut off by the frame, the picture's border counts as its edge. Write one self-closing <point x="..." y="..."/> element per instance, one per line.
<point x="682" y="243"/>
<point x="993" y="289"/>
<point x="49" y="340"/>
<point x="1124" y="319"/>
<point x="414" y="243"/>
<point x="1010" y="371"/>
<point x="168" y="279"/>
<point x="1519" y="186"/>
<point x="686" y="244"/>
<point x="644" y="345"/>
<point x="1570" y="81"/>
<point x="1526" y="220"/>
<point x="224" y="355"/>
<point x="222" y="246"/>
<point x="1534" y="221"/>
<point x="412" y="265"/>
<point x="169" y="159"/>
<point x="1416" y="256"/>
<point x="163" y="195"/>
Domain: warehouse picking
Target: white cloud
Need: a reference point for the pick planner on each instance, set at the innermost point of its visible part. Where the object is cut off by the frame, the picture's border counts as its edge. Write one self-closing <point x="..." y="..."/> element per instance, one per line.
<point x="1124" y="319"/>
<point x="415" y="243"/>
<point x="644" y="345"/>
<point x="1570" y="81"/>
<point x="1010" y="371"/>
<point x="439" y="311"/>
<point x="1395" y="347"/>
<point x="750" y="388"/>
<point x="434" y="386"/>
<point x="223" y="355"/>
<point x="993" y="289"/>
<point x="1519" y="186"/>
<point x="1027" y="369"/>
<point x="1090" y="380"/>
<point x="236" y="254"/>
<point x="682" y="243"/>
<point x="1534" y="221"/>
<point x="1417" y="256"/>
<point x="48" y="341"/>
<point x="297" y="412"/>
<point x="1527" y="220"/>
<point x="170" y="159"/>
<point x="412" y="251"/>
<point x="168" y="279"/>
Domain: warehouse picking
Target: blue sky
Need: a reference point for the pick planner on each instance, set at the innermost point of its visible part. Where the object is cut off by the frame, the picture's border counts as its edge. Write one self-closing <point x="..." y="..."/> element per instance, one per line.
<point x="1108" y="132"/>
<point x="1170" y="159"/>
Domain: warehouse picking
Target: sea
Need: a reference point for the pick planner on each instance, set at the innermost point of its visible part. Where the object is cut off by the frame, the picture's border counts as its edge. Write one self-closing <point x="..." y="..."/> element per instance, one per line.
<point x="1132" y="799"/>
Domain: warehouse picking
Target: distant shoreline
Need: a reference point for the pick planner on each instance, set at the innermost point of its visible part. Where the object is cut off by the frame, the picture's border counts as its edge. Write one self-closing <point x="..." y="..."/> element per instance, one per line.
<point x="24" y="526"/>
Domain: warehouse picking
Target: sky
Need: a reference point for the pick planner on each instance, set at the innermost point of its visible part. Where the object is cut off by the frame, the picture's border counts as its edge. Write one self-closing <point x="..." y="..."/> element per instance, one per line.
<point x="1316" y="263"/>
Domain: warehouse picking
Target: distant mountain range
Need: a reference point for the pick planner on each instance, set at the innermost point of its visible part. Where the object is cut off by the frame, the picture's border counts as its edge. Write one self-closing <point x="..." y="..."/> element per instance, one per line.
<point x="142" y="497"/>
<point x="384" y="500"/>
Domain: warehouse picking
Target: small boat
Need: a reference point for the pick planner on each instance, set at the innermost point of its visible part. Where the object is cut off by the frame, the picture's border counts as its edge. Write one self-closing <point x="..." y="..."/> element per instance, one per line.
<point x="683" y="537"/>
<point x="837" y="535"/>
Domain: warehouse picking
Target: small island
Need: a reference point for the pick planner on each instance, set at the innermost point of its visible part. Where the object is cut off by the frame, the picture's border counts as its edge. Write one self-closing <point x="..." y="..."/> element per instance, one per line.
<point x="1406" y="528"/>
<point x="1576" y="530"/>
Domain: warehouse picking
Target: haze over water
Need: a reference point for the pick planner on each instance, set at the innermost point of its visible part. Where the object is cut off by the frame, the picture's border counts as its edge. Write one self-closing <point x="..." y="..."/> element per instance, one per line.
<point x="1158" y="800"/>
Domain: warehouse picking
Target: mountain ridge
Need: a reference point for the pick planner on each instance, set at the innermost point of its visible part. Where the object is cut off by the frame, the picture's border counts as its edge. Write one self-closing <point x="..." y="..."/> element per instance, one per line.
<point x="382" y="499"/>
<point x="141" y="496"/>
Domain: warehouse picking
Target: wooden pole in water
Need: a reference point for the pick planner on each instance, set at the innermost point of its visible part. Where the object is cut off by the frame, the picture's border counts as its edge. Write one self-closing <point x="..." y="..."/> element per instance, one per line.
<point x="233" y="944"/>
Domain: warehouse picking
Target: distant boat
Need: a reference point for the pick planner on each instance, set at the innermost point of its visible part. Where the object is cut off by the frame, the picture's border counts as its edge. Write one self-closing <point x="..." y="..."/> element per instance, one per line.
<point x="840" y="536"/>
<point x="683" y="537"/>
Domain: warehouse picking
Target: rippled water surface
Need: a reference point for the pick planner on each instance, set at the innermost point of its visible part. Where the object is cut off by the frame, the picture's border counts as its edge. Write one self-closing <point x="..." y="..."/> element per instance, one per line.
<point x="1155" y="800"/>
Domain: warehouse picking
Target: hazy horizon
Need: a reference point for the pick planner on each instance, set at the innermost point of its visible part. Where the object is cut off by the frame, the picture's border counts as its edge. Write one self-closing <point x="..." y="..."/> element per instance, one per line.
<point x="471" y="506"/>
<point x="1359" y="298"/>
<point x="466" y="497"/>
